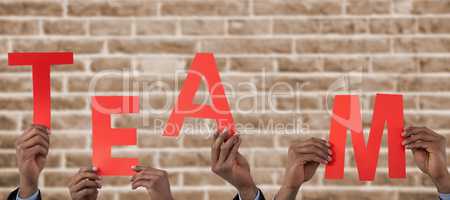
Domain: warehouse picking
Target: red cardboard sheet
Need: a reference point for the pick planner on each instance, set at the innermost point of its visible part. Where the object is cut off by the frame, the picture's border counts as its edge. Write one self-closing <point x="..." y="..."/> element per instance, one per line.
<point x="41" y="63"/>
<point x="104" y="137"/>
<point x="203" y="66"/>
<point x="388" y="110"/>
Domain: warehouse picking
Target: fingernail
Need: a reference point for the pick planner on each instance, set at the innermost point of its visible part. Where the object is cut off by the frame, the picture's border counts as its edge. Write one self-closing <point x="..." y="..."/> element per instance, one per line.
<point x="329" y="158"/>
<point x="330" y="152"/>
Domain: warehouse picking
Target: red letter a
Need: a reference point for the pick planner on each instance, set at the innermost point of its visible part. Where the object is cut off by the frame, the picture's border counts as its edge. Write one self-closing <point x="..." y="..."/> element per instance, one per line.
<point x="346" y="115"/>
<point x="204" y="65"/>
<point x="41" y="63"/>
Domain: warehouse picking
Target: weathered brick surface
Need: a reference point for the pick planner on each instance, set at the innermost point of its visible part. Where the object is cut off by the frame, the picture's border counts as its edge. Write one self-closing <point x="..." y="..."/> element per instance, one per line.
<point x="281" y="62"/>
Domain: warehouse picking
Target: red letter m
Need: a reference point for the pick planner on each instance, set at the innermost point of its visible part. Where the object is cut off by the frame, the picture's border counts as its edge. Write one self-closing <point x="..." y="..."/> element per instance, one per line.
<point x="346" y="115"/>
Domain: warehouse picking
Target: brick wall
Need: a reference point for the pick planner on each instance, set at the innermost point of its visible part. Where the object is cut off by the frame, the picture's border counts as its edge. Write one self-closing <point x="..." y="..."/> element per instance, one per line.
<point x="143" y="47"/>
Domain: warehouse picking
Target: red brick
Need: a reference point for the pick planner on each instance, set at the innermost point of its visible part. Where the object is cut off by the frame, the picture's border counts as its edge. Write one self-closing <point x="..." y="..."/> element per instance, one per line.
<point x="152" y="46"/>
<point x="18" y="27"/>
<point x="296" y="26"/>
<point x="112" y="8"/>
<point x="434" y="25"/>
<point x="32" y="8"/>
<point x="203" y="27"/>
<point x="110" y="27"/>
<point x="155" y="27"/>
<point x="64" y="27"/>
<point x="250" y="46"/>
<point x="202" y="8"/>
<point x="291" y="7"/>
<point x="422" y="45"/>
<point x="431" y="7"/>
<point x="249" y="27"/>
<point x="342" y="45"/>
<point x="76" y="46"/>
<point x="368" y="7"/>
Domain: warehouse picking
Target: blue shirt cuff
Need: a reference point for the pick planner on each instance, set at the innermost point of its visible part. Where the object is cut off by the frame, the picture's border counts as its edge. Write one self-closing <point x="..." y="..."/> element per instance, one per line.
<point x="444" y="196"/>
<point x="258" y="195"/>
<point x="32" y="197"/>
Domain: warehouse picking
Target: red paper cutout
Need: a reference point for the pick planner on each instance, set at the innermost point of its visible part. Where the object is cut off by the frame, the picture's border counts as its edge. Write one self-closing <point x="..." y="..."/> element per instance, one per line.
<point x="346" y="115"/>
<point x="104" y="137"/>
<point x="203" y="65"/>
<point x="41" y="63"/>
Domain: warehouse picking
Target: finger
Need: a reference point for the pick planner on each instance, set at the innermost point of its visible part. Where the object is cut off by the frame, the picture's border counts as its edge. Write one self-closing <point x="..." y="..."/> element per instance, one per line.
<point x="41" y="128"/>
<point x="86" y="183"/>
<point x="41" y="133"/>
<point x="416" y="130"/>
<point x="418" y="145"/>
<point x="149" y="171"/>
<point x="88" y="169"/>
<point x="418" y="136"/>
<point x="322" y="141"/>
<point x="312" y="158"/>
<point x="85" y="175"/>
<point x="322" y="144"/>
<point x="27" y="134"/>
<point x="34" y="151"/>
<point x="36" y="140"/>
<point x="225" y="149"/>
<point x="234" y="151"/>
<point x="87" y="192"/>
<point x="137" y="168"/>
<point x="322" y="153"/>
<point x="215" y="149"/>
<point x="314" y="141"/>
<point x="146" y="177"/>
<point x="143" y="183"/>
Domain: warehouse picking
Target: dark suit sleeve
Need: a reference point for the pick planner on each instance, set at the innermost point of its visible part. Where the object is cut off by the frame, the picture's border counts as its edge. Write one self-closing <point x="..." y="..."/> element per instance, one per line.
<point x="13" y="195"/>
<point x="261" y="196"/>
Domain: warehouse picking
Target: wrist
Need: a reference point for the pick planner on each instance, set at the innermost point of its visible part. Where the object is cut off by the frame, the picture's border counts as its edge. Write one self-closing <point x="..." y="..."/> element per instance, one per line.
<point x="27" y="188"/>
<point x="248" y="192"/>
<point x="157" y="196"/>
<point x="287" y="193"/>
<point x="443" y="183"/>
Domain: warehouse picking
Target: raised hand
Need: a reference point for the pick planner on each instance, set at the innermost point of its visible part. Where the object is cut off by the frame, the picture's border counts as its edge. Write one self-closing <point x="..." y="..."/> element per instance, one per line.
<point x="304" y="157"/>
<point x="154" y="180"/>
<point x="31" y="154"/>
<point x="85" y="184"/>
<point x="429" y="154"/>
<point x="228" y="163"/>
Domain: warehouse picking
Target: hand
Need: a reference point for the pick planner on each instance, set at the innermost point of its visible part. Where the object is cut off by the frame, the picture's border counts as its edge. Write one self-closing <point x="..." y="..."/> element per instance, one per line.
<point x="85" y="184"/>
<point x="429" y="155"/>
<point x="154" y="180"/>
<point x="229" y="164"/>
<point x="31" y="154"/>
<point x="304" y="158"/>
